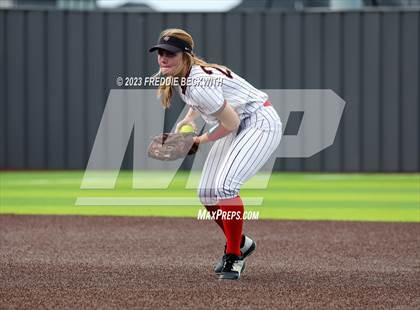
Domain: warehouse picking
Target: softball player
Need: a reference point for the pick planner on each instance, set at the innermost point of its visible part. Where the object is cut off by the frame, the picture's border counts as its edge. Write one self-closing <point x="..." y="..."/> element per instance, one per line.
<point x="246" y="130"/>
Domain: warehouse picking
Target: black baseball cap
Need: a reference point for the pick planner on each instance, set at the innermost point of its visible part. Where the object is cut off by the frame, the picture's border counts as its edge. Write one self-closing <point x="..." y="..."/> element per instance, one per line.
<point x="171" y="44"/>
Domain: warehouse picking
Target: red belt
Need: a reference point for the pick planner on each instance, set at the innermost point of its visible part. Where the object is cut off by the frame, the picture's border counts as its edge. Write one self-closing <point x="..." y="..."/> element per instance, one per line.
<point x="267" y="103"/>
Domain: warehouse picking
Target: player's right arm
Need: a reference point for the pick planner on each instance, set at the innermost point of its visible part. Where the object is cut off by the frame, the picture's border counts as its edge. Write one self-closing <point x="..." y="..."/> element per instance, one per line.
<point x="228" y="117"/>
<point x="228" y="122"/>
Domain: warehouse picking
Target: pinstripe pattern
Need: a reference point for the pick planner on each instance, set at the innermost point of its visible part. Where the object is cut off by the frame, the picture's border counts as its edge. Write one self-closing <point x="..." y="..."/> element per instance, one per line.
<point x="236" y="158"/>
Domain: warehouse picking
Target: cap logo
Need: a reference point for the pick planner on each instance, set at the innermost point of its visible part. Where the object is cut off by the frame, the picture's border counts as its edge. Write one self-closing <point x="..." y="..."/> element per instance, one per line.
<point x="166" y="38"/>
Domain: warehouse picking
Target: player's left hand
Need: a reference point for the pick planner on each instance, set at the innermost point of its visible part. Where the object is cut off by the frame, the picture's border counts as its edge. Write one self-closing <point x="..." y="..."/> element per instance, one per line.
<point x="172" y="146"/>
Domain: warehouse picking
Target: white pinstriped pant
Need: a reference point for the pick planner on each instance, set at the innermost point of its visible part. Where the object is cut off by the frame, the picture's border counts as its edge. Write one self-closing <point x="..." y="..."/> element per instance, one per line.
<point x="234" y="159"/>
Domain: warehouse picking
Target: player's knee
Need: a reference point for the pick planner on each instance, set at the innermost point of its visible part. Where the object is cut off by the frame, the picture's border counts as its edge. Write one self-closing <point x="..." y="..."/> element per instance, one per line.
<point x="206" y="196"/>
<point x="225" y="190"/>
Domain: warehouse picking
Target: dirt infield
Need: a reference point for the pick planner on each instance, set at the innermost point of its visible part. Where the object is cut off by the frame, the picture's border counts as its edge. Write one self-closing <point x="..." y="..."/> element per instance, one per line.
<point x="159" y="263"/>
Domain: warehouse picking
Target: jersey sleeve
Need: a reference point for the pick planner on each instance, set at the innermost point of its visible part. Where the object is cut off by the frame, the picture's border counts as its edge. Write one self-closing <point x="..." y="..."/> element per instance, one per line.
<point x="209" y="99"/>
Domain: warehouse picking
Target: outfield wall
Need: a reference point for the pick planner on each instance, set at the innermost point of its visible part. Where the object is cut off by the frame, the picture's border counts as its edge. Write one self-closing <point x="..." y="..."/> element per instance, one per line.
<point x="57" y="68"/>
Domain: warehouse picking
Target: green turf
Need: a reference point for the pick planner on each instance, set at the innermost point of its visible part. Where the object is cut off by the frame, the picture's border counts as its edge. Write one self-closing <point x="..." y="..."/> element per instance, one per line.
<point x="315" y="196"/>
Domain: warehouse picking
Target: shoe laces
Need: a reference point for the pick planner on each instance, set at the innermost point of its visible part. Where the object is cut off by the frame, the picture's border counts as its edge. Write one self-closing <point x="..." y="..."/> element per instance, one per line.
<point x="229" y="260"/>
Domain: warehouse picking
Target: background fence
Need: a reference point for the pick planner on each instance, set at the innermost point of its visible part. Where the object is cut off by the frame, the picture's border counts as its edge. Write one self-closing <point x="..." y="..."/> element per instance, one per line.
<point x="57" y="67"/>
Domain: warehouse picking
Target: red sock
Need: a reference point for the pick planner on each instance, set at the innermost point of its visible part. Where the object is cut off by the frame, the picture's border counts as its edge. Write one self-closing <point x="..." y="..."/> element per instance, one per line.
<point x="212" y="210"/>
<point x="233" y="225"/>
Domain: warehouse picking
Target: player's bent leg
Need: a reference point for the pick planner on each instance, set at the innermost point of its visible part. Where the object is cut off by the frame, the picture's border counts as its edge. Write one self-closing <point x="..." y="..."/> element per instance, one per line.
<point x="250" y="150"/>
<point x="227" y="186"/>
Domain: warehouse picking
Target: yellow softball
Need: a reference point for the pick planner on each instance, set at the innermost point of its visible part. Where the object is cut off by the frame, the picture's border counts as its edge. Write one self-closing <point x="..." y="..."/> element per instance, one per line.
<point x="186" y="129"/>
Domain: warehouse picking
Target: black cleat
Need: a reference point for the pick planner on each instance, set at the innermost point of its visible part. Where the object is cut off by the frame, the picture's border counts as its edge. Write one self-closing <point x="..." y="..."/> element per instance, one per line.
<point x="247" y="248"/>
<point x="233" y="266"/>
